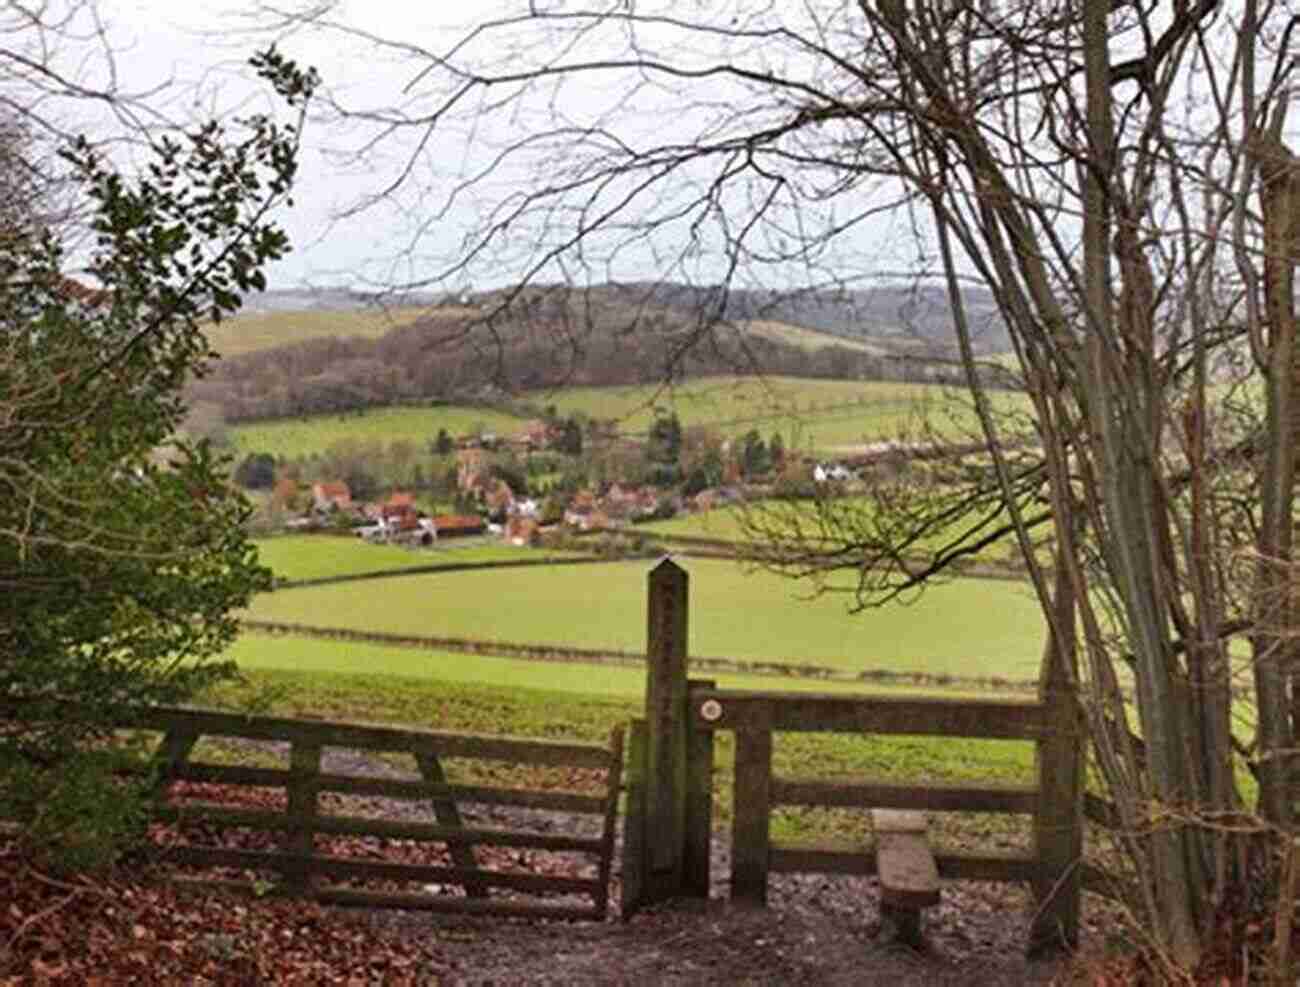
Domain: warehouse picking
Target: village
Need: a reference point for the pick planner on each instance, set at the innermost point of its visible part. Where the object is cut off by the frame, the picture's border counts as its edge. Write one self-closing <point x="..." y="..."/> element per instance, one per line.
<point x="491" y="504"/>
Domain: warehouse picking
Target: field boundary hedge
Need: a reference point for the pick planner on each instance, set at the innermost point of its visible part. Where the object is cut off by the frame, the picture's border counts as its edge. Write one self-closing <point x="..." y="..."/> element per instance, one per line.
<point x="417" y="570"/>
<point x="636" y="659"/>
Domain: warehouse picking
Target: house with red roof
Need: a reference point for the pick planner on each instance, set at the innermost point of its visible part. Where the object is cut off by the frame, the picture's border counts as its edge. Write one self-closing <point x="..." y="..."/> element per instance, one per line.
<point x="334" y="496"/>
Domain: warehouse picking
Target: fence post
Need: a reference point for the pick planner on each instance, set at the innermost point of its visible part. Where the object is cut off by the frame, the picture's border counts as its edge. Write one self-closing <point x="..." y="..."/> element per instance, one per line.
<point x="698" y="850"/>
<point x="609" y="821"/>
<point x="666" y="714"/>
<point x="751" y="813"/>
<point x="1058" y="823"/>
<point x="173" y="751"/>
<point x="300" y="838"/>
<point x="635" y="863"/>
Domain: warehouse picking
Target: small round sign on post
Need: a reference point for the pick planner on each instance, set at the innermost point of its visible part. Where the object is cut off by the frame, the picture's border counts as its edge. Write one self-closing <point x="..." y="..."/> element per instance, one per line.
<point x="710" y="711"/>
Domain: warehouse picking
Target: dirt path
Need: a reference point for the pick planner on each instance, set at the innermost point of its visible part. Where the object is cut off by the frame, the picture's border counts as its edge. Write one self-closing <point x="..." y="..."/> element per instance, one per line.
<point x="817" y="930"/>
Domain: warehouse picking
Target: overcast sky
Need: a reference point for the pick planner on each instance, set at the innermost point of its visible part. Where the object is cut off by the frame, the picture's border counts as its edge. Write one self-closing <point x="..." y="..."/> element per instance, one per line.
<point x="202" y="53"/>
<point x="190" y="61"/>
<point x="412" y="234"/>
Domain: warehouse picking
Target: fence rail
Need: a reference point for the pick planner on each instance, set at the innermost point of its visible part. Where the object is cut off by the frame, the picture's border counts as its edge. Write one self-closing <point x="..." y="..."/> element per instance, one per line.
<point x="734" y="709"/>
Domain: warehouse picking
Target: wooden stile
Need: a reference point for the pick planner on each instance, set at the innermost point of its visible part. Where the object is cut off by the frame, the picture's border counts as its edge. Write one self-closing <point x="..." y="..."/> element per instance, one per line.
<point x="1055" y="803"/>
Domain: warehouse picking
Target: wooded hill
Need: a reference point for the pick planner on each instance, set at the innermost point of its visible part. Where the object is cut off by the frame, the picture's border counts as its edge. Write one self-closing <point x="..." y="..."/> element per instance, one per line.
<point x="552" y="336"/>
<point x="892" y="318"/>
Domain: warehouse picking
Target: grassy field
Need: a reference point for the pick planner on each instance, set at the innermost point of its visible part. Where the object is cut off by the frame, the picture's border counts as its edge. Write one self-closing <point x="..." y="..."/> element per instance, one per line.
<point x="810" y="339"/>
<point x="247" y="333"/>
<point x="304" y="436"/>
<point x="832" y="415"/>
<point x="968" y="628"/>
<point x="519" y="708"/>
<point x="312" y="657"/>
<point x="321" y="556"/>
<point x="813" y="410"/>
<point x="724" y="524"/>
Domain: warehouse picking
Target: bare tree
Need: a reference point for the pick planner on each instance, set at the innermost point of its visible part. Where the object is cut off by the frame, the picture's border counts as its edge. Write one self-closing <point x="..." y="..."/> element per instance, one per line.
<point x="1108" y="171"/>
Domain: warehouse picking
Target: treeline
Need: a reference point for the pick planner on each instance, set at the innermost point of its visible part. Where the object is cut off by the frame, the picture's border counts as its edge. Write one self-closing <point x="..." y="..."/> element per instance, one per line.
<point x="539" y="344"/>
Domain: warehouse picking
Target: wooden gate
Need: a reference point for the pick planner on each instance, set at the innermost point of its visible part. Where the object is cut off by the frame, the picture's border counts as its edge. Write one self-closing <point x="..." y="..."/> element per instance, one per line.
<point x="303" y="855"/>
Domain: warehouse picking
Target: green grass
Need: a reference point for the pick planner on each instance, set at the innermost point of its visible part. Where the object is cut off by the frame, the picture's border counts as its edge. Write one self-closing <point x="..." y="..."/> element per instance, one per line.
<point x="489" y="548"/>
<point x="321" y="556"/>
<point x="725" y="524"/>
<point x="968" y="628"/>
<point x="312" y="657"/>
<point x="809" y="413"/>
<point x="786" y="403"/>
<point x="381" y="426"/>
<point x="520" y="709"/>
<point x="830" y="415"/>
<point x="247" y="333"/>
<point x="722" y="524"/>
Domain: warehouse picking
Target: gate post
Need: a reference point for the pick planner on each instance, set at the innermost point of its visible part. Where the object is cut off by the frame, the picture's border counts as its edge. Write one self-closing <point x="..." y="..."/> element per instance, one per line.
<point x="666" y="774"/>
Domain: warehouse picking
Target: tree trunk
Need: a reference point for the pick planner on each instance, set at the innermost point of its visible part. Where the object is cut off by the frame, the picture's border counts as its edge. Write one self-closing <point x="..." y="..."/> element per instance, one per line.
<point x="1119" y="417"/>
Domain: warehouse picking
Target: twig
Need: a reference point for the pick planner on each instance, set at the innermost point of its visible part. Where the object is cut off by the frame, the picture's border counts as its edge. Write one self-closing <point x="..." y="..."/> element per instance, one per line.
<point x="44" y="913"/>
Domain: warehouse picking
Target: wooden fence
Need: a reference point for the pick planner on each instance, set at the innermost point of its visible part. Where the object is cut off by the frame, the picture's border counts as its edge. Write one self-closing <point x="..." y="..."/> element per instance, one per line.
<point x="301" y="865"/>
<point x="668" y="827"/>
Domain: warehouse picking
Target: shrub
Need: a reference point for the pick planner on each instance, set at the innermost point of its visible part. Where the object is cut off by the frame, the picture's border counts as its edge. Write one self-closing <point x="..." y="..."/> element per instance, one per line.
<point x="82" y="815"/>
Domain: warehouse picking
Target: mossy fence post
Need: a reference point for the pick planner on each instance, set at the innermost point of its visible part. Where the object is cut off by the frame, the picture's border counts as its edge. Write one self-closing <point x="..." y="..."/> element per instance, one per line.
<point x="668" y="825"/>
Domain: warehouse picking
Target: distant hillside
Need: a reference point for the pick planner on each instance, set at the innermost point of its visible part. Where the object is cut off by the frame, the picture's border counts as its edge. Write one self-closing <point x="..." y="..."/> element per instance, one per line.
<point x="344" y="358"/>
<point x="888" y="317"/>
<point x="269" y="326"/>
<point x="884" y="319"/>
